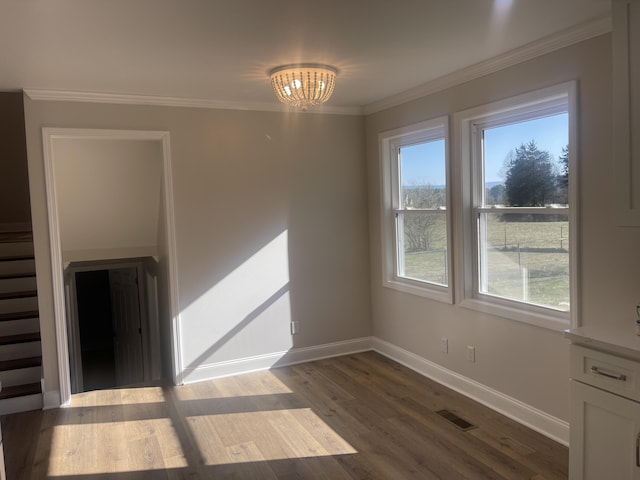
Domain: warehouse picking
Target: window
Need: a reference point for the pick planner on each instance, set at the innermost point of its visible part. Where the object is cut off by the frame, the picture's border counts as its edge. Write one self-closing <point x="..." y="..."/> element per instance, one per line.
<point x="518" y="248"/>
<point x="415" y="217"/>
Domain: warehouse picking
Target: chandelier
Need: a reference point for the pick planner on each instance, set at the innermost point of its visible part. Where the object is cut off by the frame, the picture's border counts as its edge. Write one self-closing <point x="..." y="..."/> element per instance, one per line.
<point x="303" y="85"/>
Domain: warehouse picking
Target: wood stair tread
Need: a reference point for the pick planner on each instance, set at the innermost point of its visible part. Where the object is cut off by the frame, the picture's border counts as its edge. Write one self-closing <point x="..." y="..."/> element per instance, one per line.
<point x="18" y="363"/>
<point x="14" y="258"/>
<point x="4" y="317"/>
<point x="20" y="390"/>
<point x="18" y="294"/>
<point x="20" y="338"/>
<point x="16" y="237"/>
<point x="5" y="276"/>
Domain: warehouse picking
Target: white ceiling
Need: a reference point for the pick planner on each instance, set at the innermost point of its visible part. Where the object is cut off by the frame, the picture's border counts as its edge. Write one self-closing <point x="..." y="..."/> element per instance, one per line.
<point x="221" y="50"/>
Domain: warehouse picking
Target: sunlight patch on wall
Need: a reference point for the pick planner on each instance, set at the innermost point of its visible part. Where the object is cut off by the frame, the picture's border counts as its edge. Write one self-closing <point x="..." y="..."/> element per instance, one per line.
<point x="266" y="435"/>
<point x="250" y="303"/>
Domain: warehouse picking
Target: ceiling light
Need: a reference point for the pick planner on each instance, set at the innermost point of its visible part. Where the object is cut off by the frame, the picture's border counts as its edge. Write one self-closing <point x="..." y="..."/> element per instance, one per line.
<point x="303" y="85"/>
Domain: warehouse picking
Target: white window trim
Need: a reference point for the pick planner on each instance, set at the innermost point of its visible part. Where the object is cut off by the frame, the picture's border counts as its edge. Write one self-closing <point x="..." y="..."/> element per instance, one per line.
<point x="389" y="142"/>
<point x="465" y="278"/>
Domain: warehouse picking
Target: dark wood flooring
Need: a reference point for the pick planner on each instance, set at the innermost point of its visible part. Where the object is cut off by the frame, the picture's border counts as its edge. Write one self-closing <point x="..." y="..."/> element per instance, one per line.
<point x="354" y="417"/>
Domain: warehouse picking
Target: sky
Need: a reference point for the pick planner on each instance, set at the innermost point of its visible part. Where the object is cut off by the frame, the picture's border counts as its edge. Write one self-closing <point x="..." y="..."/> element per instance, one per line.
<point x="423" y="164"/>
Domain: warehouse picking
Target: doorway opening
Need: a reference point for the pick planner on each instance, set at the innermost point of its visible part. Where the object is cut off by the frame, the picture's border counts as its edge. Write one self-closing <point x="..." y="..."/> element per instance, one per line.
<point x="83" y="168"/>
<point x="113" y="324"/>
<point x="95" y="325"/>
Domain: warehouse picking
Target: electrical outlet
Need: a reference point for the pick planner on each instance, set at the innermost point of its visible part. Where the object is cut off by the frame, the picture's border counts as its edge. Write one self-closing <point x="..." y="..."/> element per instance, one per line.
<point x="471" y="353"/>
<point x="295" y="328"/>
<point x="444" y="345"/>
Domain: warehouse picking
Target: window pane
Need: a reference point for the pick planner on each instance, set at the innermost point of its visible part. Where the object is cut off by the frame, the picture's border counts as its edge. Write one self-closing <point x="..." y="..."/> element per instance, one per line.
<point x="423" y="247"/>
<point x="525" y="163"/>
<point x="525" y="258"/>
<point x="422" y="175"/>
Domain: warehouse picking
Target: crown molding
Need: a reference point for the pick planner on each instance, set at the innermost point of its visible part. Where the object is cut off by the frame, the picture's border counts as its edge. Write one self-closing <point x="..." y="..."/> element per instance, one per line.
<point x="532" y="50"/>
<point x="128" y="99"/>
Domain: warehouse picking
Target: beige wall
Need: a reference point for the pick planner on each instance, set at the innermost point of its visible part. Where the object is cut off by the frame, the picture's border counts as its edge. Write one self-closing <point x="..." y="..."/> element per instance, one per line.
<point x="108" y="197"/>
<point x="274" y="206"/>
<point x="522" y="361"/>
<point x="269" y="207"/>
<point x="14" y="183"/>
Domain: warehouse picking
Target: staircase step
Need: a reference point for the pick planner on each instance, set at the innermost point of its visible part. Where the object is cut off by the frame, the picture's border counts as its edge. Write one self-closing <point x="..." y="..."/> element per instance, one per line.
<point x="14" y="249"/>
<point x="18" y="363"/>
<point x="20" y="338"/>
<point x="9" y="378"/>
<point x="14" y="237"/>
<point x="4" y="317"/>
<point x="20" y="390"/>
<point x="17" y="284"/>
<point x="23" y="403"/>
<point x="21" y="304"/>
<point x="20" y="294"/>
<point x="5" y="276"/>
<point x="15" y="258"/>
<point x="17" y="266"/>
<point x="17" y="327"/>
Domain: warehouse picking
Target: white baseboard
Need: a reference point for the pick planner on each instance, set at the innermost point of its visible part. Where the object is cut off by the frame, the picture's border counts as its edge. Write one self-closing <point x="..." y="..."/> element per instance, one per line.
<point x="277" y="359"/>
<point x="24" y="403"/>
<point x="51" y="399"/>
<point x="527" y="415"/>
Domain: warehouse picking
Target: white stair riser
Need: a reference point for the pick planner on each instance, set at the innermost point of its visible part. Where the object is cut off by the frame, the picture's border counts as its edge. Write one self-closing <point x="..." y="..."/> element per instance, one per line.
<point x="20" y="376"/>
<point x="21" y="404"/>
<point x="16" y="327"/>
<point x="17" y="266"/>
<point x="13" y="249"/>
<point x="20" y="350"/>
<point x="13" y="305"/>
<point x="17" y="284"/>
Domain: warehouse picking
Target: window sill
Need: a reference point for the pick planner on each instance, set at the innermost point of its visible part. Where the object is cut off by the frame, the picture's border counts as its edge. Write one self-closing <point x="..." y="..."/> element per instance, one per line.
<point x="532" y="315"/>
<point x="433" y="292"/>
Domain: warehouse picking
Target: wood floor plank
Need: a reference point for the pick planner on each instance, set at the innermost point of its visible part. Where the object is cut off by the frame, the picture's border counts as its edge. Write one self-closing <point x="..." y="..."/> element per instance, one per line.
<point x="357" y="417"/>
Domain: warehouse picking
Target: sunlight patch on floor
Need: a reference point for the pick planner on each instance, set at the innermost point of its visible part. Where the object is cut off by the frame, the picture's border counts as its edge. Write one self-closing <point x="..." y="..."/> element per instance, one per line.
<point x="118" y="396"/>
<point x="264" y="436"/>
<point x="99" y="448"/>
<point x="252" y="384"/>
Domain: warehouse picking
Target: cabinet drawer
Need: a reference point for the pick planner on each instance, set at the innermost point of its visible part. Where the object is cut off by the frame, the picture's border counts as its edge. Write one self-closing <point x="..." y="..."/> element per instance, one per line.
<point x="614" y="374"/>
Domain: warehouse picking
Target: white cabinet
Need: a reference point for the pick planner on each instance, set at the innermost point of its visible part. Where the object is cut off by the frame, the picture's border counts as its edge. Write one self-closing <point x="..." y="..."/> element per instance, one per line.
<point x="604" y="435"/>
<point x="605" y="415"/>
<point x="626" y="109"/>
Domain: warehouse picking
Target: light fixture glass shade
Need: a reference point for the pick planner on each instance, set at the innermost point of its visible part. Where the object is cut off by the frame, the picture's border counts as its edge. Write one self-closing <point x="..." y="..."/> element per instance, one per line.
<point x="303" y="85"/>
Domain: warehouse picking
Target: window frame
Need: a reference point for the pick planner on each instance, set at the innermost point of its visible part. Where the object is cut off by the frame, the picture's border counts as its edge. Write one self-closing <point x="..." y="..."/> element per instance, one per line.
<point x="469" y="124"/>
<point x="390" y="142"/>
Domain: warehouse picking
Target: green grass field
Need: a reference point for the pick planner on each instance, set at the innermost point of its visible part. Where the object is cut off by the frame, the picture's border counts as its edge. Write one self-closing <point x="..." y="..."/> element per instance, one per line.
<point x="526" y="261"/>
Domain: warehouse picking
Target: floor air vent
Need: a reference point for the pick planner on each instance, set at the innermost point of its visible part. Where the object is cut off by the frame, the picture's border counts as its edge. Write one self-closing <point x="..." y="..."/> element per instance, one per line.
<point x="461" y="423"/>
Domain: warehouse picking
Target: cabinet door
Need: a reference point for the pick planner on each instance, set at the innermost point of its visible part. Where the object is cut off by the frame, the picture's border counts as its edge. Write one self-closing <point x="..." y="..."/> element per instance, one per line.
<point x="604" y="435"/>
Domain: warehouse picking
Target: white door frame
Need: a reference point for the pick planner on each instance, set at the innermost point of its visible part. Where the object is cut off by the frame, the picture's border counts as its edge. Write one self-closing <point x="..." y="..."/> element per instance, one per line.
<point x="49" y="135"/>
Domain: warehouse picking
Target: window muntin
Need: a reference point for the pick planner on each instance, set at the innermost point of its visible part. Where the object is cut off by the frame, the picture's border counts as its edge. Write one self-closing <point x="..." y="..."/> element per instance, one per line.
<point x="416" y="222"/>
